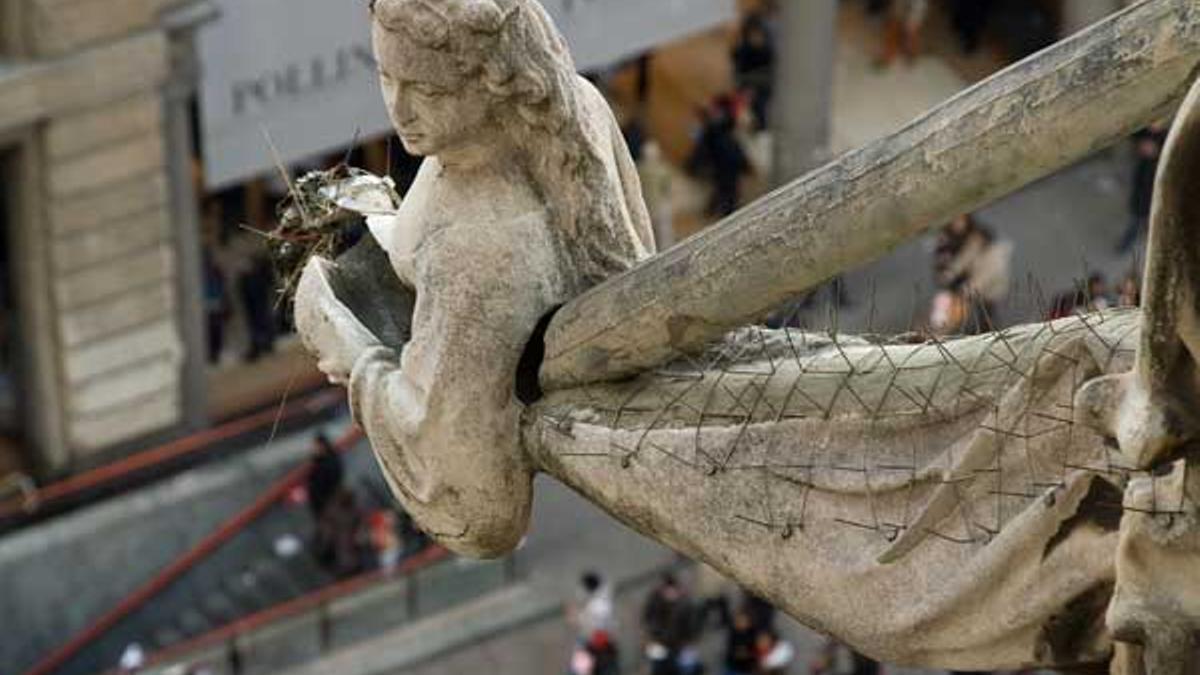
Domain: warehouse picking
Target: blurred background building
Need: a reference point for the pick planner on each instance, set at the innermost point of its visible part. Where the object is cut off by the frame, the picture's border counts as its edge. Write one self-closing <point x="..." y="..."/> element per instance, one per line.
<point x="136" y="142"/>
<point x="139" y="299"/>
<point x="99" y="239"/>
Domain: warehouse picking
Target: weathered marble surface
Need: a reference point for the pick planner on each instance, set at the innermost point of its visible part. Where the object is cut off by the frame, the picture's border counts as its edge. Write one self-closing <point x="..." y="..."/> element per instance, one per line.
<point x="952" y="504"/>
<point x="528" y="198"/>
<point x="933" y="503"/>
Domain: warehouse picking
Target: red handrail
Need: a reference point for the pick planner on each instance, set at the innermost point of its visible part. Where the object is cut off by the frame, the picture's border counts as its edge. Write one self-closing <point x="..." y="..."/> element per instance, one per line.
<point x="227" y="530"/>
<point x="182" y="447"/>
<point x="427" y="557"/>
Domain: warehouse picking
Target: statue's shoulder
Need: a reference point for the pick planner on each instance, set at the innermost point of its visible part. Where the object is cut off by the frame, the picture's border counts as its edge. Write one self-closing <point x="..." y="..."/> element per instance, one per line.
<point x="491" y="195"/>
<point x="500" y="236"/>
<point x="458" y="232"/>
<point x="482" y="227"/>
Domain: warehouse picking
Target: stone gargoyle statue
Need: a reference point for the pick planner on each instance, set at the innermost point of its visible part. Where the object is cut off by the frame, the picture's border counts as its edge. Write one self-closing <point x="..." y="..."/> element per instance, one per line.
<point x="1029" y="497"/>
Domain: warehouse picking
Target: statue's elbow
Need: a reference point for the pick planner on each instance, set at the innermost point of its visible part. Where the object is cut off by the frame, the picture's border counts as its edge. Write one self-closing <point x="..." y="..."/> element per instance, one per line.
<point x="486" y="546"/>
<point x="491" y="535"/>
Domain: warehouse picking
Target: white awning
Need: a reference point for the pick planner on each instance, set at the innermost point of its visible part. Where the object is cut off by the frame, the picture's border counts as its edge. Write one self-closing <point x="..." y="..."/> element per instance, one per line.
<point x="302" y="71"/>
<point x="602" y="32"/>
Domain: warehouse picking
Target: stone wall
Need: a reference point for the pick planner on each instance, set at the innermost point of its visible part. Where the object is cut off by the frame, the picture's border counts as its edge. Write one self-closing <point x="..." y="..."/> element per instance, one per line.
<point x="114" y="268"/>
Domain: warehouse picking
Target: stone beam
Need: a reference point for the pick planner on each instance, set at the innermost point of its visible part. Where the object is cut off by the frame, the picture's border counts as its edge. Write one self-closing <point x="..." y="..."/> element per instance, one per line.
<point x="1031" y="119"/>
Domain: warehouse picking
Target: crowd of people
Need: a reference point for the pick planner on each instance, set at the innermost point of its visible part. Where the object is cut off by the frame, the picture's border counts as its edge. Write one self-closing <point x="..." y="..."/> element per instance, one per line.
<point x="1017" y="28"/>
<point x="723" y="129"/>
<point x="678" y="625"/>
<point x="348" y="539"/>
<point x="971" y="270"/>
<point x="971" y="263"/>
<point x="239" y="286"/>
<point x="726" y="126"/>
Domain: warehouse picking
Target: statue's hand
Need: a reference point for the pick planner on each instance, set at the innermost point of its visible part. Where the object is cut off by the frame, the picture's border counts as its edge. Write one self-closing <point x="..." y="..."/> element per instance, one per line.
<point x="330" y="331"/>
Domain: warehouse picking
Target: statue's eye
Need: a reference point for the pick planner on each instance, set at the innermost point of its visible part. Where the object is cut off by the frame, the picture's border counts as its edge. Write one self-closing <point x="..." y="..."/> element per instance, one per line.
<point x="427" y="92"/>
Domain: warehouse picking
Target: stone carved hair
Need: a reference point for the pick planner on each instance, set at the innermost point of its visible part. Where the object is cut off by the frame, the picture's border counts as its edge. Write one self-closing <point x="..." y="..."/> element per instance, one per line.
<point x="513" y="49"/>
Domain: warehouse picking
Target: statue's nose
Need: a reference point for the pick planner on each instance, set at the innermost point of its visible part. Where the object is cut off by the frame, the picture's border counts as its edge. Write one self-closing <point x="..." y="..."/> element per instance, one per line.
<point x="404" y="111"/>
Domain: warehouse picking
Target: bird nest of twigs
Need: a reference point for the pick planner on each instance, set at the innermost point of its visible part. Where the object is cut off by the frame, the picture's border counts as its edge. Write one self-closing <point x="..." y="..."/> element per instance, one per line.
<point x="320" y="209"/>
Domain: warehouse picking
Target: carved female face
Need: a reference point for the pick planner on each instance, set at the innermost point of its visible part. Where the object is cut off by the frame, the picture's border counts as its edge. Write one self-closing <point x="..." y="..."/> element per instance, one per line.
<point x="433" y="109"/>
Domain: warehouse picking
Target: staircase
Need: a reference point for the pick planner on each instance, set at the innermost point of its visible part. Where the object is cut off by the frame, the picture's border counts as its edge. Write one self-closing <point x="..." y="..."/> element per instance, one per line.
<point x="265" y="565"/>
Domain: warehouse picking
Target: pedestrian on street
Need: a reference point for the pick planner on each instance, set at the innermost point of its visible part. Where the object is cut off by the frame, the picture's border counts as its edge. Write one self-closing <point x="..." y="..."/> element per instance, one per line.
<point x="340" y="535"/>
<point x="592" y="610"/>
<point x="592" y="615"/>
<point x="761" y="612"/>
<point x="324" y="475"/>
<point x="753" y="60"/>
<point x="217" y="309"/>
<point x="255" y="285"/>
<point x="775" y="655"/>
<point x="971" y="268"/>
<point x="597" y="656"/>
<point x="902" y="31"/>
<point x="1147" y="148"/>
<point x="741" y="647"/>
<point x="381" y="528"/>
<point x="669" y="621"/>
<point x="722" y="152"/>
<point x="1129" y="295"/>
<point x="1090" y="296"/>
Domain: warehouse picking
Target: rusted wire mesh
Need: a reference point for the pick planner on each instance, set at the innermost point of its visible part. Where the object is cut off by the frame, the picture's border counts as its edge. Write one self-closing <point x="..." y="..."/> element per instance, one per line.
<point x="949" y="437"/>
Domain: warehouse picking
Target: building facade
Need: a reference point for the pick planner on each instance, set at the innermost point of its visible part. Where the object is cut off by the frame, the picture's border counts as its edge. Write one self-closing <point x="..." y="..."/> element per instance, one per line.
<point x="135" y="300"/>
<point x="101" y="264"/>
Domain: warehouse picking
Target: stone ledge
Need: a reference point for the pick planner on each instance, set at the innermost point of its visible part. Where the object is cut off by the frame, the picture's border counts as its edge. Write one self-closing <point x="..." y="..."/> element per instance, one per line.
<point x="84" y="80"/>
<point x="94" y="360"/>
<point x="106" y="244"/>
<point x="88" y="173"/>
<point x="97" y="285"/>
<point x="118" y="202"/>
<point x="139" y="417"/>
<point x="88" y="131"/>
<point x="438" y="635"/>
<point x="149" y="304"/>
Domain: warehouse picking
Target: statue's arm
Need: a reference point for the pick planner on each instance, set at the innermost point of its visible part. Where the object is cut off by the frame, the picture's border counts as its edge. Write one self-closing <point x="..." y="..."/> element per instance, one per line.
<point x="438" y="411"/>
<point x="453" y="462"/>
<point x="441" y="413"/>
